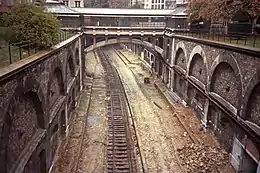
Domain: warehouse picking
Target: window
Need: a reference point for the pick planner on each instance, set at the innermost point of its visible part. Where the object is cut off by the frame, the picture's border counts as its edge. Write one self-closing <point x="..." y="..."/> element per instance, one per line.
<point x="162" y="6"/>
<point x="152" y="1"/>
<point x="77" y="3"/>
<point x="66" y="3"/>
<point x="155" y="6"/>
<point x="152" y="6"/>
<point x="158" y="1"/>
<point x="155" y="1"/>
<point x="162" y="1"/>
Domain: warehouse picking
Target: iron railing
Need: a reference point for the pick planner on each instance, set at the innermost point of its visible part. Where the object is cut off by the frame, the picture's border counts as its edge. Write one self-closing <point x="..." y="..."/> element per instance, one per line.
<point x="222" y="35"/>
<point x="13" y="52"/>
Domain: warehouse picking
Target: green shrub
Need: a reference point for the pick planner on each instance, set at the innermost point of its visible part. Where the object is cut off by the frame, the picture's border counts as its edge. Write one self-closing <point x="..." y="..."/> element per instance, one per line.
<point x="27" y="22"/>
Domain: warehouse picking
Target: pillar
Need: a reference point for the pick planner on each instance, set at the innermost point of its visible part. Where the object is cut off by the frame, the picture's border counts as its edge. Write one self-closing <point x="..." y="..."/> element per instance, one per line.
<point x="94" y="41"/>
<point x="142" y="55"/>
<point x="204" y="119"/>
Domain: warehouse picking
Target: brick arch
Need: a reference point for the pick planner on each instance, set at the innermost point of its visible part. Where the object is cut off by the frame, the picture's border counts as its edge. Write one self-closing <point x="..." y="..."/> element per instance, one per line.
<point x="180" y="46"/>
<point x="24" y="117"/>
<point x="225" y="80"/>
<point x="154" y="50"/>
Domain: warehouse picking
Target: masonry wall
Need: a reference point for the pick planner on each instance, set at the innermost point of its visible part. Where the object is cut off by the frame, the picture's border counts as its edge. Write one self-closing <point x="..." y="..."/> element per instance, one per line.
<point x="38" y="96"/>
<point x="220" y="83"/>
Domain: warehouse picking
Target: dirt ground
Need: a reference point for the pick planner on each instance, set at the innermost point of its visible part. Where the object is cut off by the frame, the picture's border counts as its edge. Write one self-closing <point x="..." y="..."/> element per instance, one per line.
<point x="164" y="148"/>
<point x="162" y="132"/>
<point x="89" y="124"/>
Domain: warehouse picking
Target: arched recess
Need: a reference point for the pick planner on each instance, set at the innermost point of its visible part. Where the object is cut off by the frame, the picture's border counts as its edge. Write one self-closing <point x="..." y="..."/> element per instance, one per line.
<point x="253" y="108"/>
<point x="77" y="56"/>
<point x="180" y="59"/>
<point x="197" y="53"/>
<point x="253" y="82"/>
<point x="62" y="123"/>
<point x="180" y="55"/>
<point x="56" y="86"/>
<point x="225" y="80"/>
<point x="24" y="117"/>
<point x="198" y="68"/>
<point x="70" y="66"/>
<point x="42" y="166"/>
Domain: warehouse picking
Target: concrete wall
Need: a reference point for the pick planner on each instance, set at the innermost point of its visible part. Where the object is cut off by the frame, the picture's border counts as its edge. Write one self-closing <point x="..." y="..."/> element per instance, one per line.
<point x="38" y="95"/>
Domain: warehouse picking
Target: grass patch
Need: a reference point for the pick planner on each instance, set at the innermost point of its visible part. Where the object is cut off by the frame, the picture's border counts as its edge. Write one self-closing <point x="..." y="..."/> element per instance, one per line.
<point x="17" y="53"/>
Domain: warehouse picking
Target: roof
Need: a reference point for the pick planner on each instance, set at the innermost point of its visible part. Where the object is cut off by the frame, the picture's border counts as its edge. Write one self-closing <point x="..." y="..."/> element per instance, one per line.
<point x="122" y="11"/>
<point x="59" y="8"/>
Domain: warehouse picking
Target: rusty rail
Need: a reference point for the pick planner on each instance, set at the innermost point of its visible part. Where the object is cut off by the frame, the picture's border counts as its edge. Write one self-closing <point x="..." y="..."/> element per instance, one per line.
<point x="121" y="156"/>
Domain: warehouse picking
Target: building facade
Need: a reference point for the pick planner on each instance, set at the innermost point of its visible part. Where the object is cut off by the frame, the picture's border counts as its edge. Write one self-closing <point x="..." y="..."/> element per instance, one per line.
<point x="164" y="4"/>
<point x="73" y="3"/>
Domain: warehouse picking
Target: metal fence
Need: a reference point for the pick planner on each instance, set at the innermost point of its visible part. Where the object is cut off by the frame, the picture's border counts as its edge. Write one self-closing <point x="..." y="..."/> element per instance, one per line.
<point x="222" y="34"/>
<point x="13" y="52"/>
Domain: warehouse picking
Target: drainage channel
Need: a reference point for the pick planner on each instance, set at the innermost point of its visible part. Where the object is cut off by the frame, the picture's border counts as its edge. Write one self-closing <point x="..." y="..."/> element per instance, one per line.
<point x="121" y="153"/>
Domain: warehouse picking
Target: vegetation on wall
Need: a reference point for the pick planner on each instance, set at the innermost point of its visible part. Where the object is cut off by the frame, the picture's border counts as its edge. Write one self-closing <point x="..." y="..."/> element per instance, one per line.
<point x="27" y="22"/>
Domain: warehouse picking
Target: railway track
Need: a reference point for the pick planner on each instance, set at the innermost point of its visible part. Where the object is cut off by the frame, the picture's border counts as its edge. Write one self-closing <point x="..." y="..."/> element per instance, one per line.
<point x="121" y="154"/>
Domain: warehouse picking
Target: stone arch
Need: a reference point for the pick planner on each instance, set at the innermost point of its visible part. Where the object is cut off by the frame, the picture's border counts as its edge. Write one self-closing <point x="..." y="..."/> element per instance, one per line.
<point x="253" y="82"/>
<point x="24" y="117"/>
<point x="252" y="108"/>
<point x="155" y="50"/>
<point x="225" y="80"/>
<point x="42" y="166"/>
<point x="62" y="123"/>
<point x="89" y="41"/>
<point x="56" y="86"/>
<point x="179" y="47"/>
<point x="70" y="66"/>
<point x="77" y="56"/>
<point x="198" y="50"/>
<point x="198" y="68"/>
<point x="54" y="138"/>
<point x="180" y="59"/>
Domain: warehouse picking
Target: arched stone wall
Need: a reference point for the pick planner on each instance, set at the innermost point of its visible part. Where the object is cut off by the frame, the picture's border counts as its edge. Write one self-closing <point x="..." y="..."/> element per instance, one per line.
<point x="198" y="69"/>
<point x="225" y="80"/>
<point x="180" y="59"/>
<point x="254" y="81"/>
<point x="180" y="47"/>
<point x="70" y="66"/>
<point x="196" y="54"/>
<point x="253" y="106"/>
<point x="56" y="86"/>
<point x="25" y="115"/>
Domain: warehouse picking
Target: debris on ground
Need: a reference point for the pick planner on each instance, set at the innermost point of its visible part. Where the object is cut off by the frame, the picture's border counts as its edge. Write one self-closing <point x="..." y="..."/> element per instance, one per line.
<point x="201" y="158"/>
